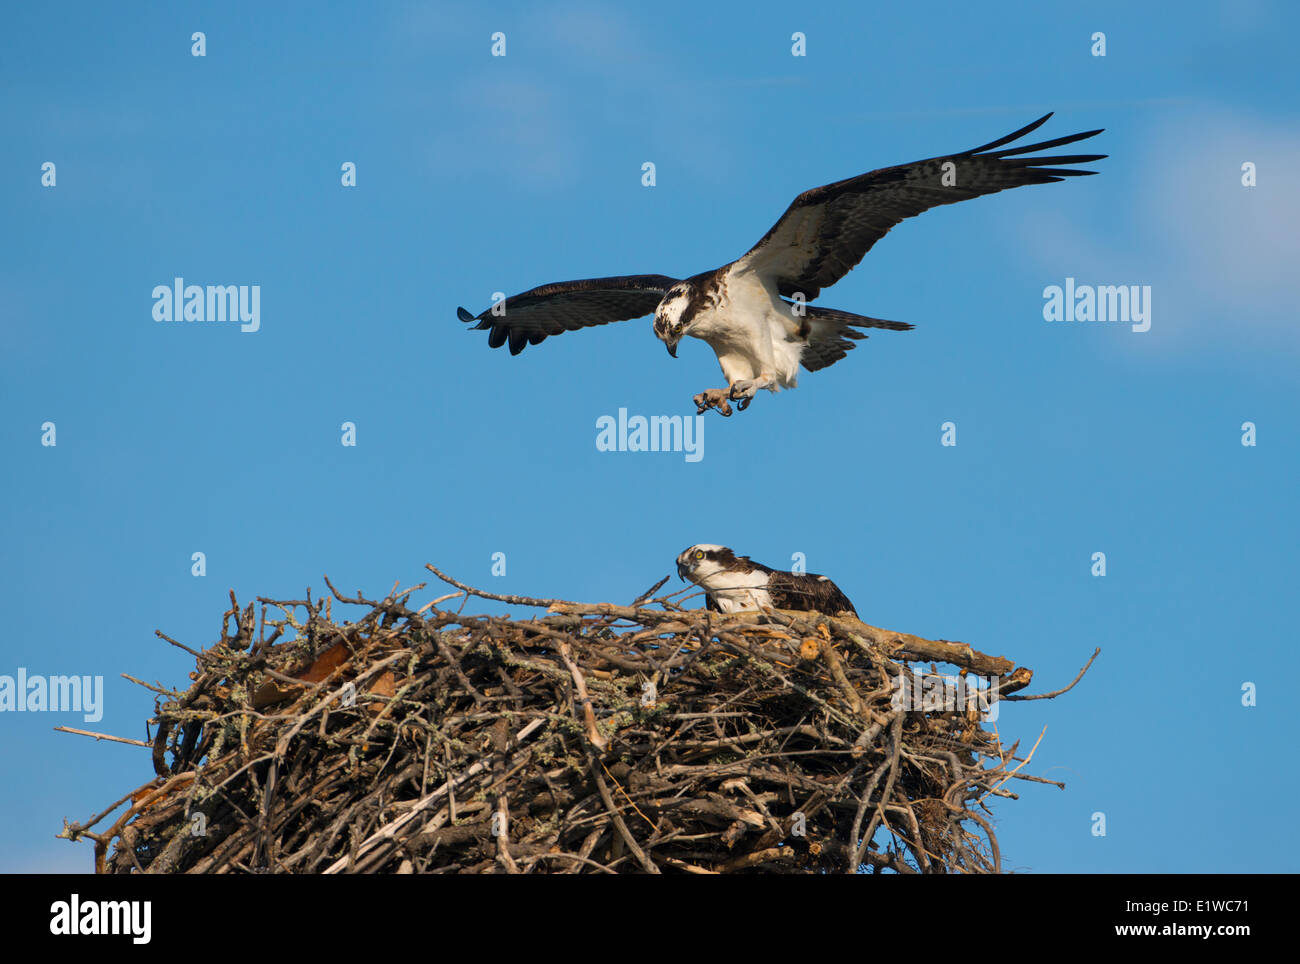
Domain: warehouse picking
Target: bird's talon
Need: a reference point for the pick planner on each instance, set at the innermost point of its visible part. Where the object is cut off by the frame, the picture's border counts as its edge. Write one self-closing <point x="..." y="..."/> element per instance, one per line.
<point x="712" y="398"/>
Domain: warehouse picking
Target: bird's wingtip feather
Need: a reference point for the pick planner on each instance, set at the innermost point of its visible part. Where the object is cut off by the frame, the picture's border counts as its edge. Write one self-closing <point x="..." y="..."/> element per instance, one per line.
<point x="1013" y="136"/>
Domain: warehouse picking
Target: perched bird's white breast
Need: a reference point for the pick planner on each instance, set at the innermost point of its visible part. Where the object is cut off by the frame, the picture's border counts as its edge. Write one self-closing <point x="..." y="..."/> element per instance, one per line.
<point x="736" y="592"/>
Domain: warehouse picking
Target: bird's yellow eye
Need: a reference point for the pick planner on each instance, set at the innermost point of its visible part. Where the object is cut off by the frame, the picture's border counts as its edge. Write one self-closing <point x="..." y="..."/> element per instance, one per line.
<point x="677" y="329"/>
<point x="699" y="553"/>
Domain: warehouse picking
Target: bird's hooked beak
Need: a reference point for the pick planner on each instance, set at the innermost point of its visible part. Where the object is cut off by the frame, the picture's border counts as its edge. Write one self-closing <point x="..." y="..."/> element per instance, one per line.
<point x="671" y="344"/>
<point x="682" y="570"/>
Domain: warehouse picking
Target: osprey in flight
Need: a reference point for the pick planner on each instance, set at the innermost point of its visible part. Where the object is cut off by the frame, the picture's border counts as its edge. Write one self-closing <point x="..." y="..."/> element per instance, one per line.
<point x="733" y="583"/>
<point x="753" y="311"/>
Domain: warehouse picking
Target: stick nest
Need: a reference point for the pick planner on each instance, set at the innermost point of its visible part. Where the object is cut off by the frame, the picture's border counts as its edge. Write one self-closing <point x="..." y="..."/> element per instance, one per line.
<point x="586" y="739"/>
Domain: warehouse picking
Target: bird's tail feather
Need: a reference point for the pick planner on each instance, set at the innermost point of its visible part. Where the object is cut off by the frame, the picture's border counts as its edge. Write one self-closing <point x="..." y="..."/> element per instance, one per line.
<point x="834" y="315"/>
<point x="832" y="333"/>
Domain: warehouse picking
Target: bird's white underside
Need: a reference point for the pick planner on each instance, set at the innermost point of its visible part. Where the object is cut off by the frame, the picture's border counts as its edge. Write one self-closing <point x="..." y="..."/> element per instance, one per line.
<point x="752" y="332"/>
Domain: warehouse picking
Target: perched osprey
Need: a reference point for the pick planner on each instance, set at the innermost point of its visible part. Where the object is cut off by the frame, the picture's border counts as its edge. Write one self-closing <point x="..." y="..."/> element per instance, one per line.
<point x="752" y="312"/>
<point x="733" y="583"/>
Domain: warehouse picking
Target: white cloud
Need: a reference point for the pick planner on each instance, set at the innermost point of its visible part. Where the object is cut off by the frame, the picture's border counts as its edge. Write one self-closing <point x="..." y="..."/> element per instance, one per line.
<point x="1238" y="246"/>
<point x="588" y="34"/>
<point x="1221" y="258"/>
<point x="515" y="125"/>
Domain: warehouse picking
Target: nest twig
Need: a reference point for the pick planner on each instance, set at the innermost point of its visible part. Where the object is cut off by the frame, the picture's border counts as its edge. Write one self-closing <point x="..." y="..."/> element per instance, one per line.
<point x="590" y="739"/>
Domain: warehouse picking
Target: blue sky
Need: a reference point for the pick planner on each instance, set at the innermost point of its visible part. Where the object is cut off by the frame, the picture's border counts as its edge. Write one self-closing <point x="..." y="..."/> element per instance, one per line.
<point x="478" y="174"/>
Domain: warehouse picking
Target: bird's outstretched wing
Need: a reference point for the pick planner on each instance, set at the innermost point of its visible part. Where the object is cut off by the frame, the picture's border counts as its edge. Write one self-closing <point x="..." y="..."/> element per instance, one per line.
<point x="827" y="230"/>
<point x="527" y="318"/>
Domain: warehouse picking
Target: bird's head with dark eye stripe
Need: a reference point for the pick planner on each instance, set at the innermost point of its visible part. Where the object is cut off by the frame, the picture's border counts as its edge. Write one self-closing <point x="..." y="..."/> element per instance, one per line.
<point x="699" y="562"/>
<point x="671" y="319"/>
